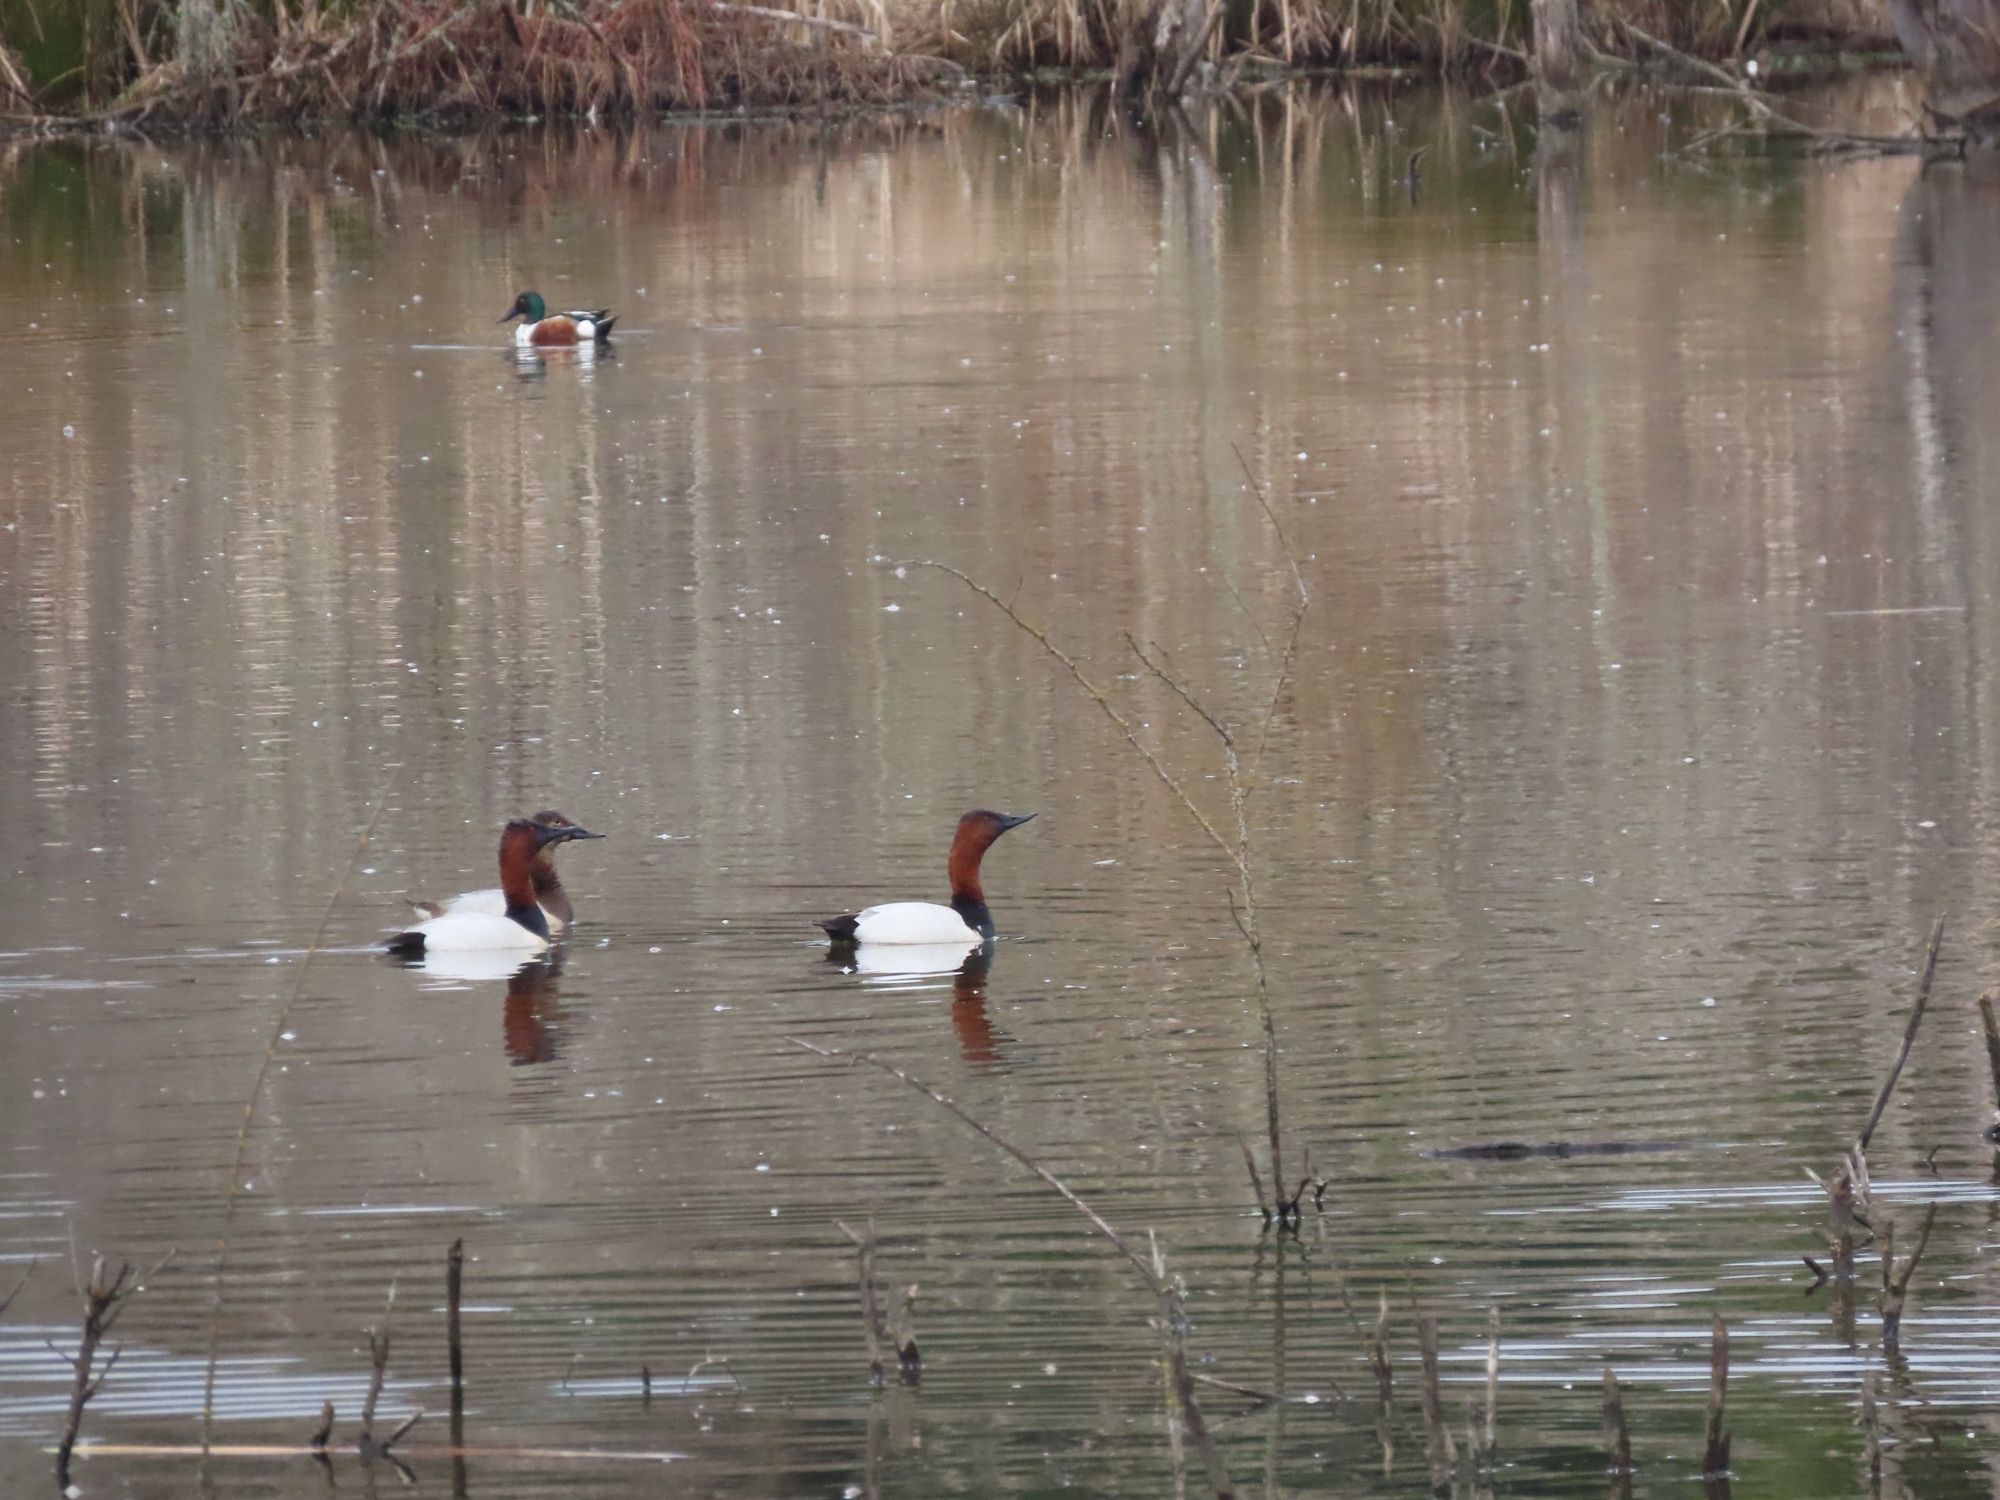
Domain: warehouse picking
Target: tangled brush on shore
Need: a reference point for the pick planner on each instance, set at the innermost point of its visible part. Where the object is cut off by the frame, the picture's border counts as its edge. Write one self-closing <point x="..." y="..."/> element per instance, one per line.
<point x="405" y="59"/>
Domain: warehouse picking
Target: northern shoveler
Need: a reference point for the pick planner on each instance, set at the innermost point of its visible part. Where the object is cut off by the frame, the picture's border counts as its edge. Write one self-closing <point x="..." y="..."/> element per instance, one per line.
<point x="540" y="326"/>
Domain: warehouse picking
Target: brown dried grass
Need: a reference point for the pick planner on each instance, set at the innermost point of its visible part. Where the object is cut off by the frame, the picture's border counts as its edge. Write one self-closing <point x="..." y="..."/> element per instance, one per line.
<point x="484" y="59"/>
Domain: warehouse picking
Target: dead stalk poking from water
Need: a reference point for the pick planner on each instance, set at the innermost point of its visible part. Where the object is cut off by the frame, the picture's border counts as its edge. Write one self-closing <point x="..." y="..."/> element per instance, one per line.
<point x="1441" y="1452"/>
<point x="882" y="1335"/>
<point x="1896" y="1285"/>
<point x="1617" y="1438"/>
<point x="1992" y="1030"/>
<point x="235" y="1189"/>
<point x="1715" y="1450"/>
<point x="454" y="1286"/>
<point x="1240" y="851"/>
<point x="323" y="1433"/>
<point x="378" y="1374"/>
<point x="8" y="1300"/>
<point x="1491" y="1435"/>
<point x="1151" y="1269"/>
<point x="103" y="1300"/>
<point x="1847" y="1191"/>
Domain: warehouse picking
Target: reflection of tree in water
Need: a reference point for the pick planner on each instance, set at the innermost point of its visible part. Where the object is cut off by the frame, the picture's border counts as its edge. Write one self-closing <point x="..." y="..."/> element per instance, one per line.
<point x="533" y="1020"/>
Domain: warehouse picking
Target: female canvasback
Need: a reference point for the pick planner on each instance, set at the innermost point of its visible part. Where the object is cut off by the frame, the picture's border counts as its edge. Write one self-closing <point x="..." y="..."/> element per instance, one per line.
<point x="965" y="923"/>
<point x="549" y="892"/>
<point x="521" y="928"/>
<point x="541" y="327"/>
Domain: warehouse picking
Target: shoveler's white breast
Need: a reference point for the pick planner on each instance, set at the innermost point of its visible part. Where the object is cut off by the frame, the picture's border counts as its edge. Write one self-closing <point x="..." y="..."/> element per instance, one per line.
<point x="466" y="931"/>
<point x="492" y="903"/>
<point x="524" y="332"/>
<point x="913" y="922"/>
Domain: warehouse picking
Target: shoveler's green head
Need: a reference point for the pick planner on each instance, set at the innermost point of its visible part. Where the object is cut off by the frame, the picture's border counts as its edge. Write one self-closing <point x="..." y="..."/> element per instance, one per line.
<point x="528" y="305"/>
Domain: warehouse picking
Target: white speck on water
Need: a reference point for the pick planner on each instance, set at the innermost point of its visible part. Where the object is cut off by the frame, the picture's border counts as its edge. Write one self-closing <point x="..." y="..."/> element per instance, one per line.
<point x="1708" y="1002"/>
<point x="892" y="609"/>
<point x="1927" y="823"/>
<point x="68" y="430"/>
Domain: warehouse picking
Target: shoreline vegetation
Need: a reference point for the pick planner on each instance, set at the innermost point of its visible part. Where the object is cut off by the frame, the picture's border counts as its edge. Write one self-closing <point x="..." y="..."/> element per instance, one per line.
<point x="166" y="65"/>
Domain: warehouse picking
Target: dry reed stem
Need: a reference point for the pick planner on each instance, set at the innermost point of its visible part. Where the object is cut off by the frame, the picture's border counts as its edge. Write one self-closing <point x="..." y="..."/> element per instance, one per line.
<point x="250" y="1111"/>
<point x="1617" y="1438"/>
<point x="1992" y="1031"/>
<point x="1152" y="1270"/>
<point x="958" y="1111"/>
<point x="1240" y="853"/>
<point x="1441" y="1452"/>
<point x="454" y="1287"/>
<point x="1715" y="1448"/>
<point x="1895" y="1285"/>
<point x="8" y="1300"/>
<point x="1491" y="1434"/>
<point x="1909" y="1036"/>
<point x="871" y="1310"/>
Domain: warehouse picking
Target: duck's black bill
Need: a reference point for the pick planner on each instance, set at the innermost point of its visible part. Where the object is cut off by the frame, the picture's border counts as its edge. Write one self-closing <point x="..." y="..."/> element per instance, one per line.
<point x="581" y="833"/>
<point x="1010" y="820"/>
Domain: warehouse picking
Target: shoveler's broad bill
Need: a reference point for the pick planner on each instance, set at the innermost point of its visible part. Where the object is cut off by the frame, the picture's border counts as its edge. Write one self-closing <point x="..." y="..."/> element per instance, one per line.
<point x="541" y="327"/>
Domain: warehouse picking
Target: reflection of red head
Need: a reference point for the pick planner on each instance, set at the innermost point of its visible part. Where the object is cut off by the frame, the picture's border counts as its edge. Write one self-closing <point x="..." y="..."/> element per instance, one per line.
<point x="532" y="1019"/>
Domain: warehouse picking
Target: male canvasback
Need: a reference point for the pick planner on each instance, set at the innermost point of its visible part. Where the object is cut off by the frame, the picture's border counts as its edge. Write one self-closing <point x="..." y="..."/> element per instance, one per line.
<point x="539" y="326"/>
<point x="549" y="892"/>
<point x="521" y="928"/>
<point x="965" y="923"/>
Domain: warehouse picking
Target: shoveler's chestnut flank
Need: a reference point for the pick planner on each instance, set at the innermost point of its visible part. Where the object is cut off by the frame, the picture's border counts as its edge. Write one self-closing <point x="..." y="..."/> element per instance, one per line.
<point x="549" y="892"/>
<point x="965" y="921"/>
<point x="541" y="327"/>
<point x="521" y="927"/>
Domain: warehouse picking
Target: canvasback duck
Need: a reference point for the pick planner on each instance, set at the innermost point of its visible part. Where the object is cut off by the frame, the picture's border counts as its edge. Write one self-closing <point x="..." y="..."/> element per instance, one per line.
<point x="521" y="927"/>
<point x="966" y="922"/>
<point x="549" y="892"/>
<point x="541" y="327"/>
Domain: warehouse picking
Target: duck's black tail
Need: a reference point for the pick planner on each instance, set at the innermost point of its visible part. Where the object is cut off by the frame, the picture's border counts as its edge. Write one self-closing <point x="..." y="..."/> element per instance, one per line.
<point x="601" y="326"/>
<point x="407" y="945"/>
<point x="841" y="929"/>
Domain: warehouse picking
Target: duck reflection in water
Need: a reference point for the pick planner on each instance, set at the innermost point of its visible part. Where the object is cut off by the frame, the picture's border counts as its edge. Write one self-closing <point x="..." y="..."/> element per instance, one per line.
<point x="532" y="361"/>
<point x="901" y="967"/>
<point x="532" y="1024"/>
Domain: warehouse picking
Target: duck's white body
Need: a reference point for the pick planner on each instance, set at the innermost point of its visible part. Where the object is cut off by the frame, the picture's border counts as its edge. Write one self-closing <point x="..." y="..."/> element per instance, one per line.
<point x="901" y="923"/>
<point x="490" y="903"/>
<point x="477" y="931"/>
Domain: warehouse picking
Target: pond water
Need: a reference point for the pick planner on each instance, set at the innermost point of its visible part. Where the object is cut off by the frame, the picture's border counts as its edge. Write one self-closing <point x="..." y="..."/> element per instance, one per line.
<point x="1638" y="727"/>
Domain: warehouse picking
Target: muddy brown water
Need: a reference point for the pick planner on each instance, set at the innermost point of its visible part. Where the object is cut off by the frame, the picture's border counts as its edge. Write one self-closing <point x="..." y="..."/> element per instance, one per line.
<point x="1640" y="724"/>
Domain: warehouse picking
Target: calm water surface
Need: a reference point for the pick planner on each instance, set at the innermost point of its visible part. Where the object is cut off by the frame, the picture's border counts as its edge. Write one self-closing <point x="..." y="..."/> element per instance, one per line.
<point x="1640" y="724"/>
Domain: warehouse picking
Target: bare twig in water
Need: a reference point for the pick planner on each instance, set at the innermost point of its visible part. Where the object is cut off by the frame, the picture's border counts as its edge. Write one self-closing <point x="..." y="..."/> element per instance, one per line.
<point x="1617" y="1438"/>
<point x="378" y="1374"/>
<point x="1256" y="1178"/>
<point x="1151" y="1269"/>
<point x="1123" y="1246"/>
<point x="323" y="1433"/>
<point x="1987" y="1023"/>
<point x="1848" y="1190"/>
<point x="1239" y="851"/>
<point x="1871" y="1430"/>
<point x="1909" y="1036"/>
<point x="871" y="1306"/>
<point x="1715" y="1449"/>
<point x="1173" y="1335"/>
<point x="278" y="1030"/>
<point x="454" y="1286"/>
<point x="1441" y="1452"/>
<point x="104" y="1298"/>
<point x="8" y="1301"/>
<point x="1896" y="1284"/>
<point x="1492" y="1440"/>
